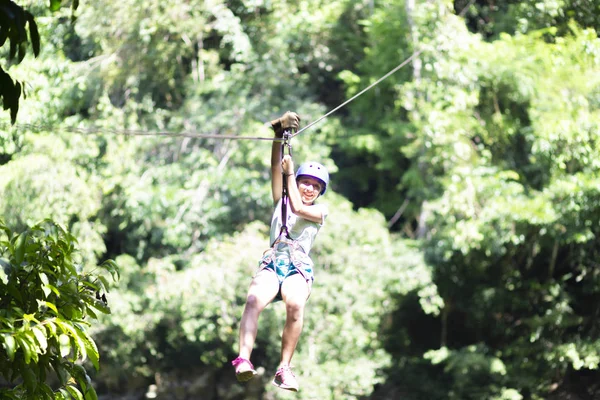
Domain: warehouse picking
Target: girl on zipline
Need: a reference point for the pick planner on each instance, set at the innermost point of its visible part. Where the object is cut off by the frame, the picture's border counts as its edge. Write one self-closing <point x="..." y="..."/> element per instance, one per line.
<point x="285" y="270"/>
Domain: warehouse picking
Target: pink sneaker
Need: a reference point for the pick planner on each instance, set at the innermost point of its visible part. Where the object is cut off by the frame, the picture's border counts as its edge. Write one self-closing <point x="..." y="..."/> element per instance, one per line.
<point x="244" y="370"/>
<point x="285" y="379"/>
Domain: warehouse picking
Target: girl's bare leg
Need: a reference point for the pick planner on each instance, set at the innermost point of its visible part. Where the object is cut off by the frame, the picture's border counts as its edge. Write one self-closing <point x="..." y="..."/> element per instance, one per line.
<point x="294" y="291"/>
<point x="262" y="291"/>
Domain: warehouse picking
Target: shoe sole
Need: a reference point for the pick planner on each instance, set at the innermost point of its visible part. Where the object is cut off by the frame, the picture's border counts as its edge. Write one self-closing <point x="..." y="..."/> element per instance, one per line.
<point x="280" y="385"/>
<point x="245" y="376"/>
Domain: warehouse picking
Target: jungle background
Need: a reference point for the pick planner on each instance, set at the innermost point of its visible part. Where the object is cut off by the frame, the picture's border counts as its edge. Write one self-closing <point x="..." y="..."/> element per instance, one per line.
<point x="460" y="259"/>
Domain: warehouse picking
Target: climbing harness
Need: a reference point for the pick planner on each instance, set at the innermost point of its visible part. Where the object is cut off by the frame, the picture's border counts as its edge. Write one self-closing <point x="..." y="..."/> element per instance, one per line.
<point x="292" y="256"/>
<point x="297" y="257"/>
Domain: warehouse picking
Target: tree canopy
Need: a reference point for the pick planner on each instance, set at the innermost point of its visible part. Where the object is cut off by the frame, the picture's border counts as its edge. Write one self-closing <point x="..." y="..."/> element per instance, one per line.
<point x="459" y="260"/>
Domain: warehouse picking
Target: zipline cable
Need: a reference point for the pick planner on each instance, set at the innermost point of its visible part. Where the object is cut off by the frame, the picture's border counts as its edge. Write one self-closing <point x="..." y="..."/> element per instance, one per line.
<point x="402" y="64"/>
<point x="409" y="59"/>
<point x="126" y="132"/>
<point x="193" y="134"/>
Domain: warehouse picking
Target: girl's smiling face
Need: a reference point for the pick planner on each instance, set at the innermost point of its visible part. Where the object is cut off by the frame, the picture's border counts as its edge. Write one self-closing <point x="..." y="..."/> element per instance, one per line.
<point x="309" y="188"/>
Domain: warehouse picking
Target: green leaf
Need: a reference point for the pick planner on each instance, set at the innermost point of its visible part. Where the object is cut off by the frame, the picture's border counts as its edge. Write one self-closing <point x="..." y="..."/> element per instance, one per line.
<point x="91" y="394"/>
<point x="65" y="344"/>
<point x="35" y="348"/>
<point x="46" y="390"/>
<point x="79" y="344"/>
<point x="91" y="313"/>
<point x="55" y="5"/>
<point x="30" y="318"/>
<point x="61" y="372"/>
<point x="4" y="270"/>
<point x="104" y="281"/>
<point x="81" y="377"/>
<point x="30" y="379"/>
<point x="8" y="394"/>
<point x="22" y="50"/>
<point x="9" y="345"/>
<point x="49" y="324"/>
<point x="54" y="290"/>
<point x="112" y="267"/>
<point x="50" y="306"/>
<point x="25" y="347"/>
<point x="33" y="33"/>
<point x="44" y="278"/>
<point x="90" y="346"/>
<point x="20" y="246"/>
<point x="40" y="336"/>
<point x="46" y="290"/>
<point x="74" y="392"/>
<point x="14" y="292"/>
<point x="91" y="285"/>
<point x="97" y="304"/>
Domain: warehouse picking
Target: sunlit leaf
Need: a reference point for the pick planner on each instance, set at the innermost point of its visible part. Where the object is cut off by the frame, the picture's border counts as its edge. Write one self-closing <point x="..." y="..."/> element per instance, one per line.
<point x="65" y="345"/>
<point x="74" y="392"/>
<point x="40" y="336"/>
<point x="9" y="344"/>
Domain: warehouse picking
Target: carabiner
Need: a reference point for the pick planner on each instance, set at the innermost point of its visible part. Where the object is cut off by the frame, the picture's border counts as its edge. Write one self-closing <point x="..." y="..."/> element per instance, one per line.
<point x="287" y="136"/>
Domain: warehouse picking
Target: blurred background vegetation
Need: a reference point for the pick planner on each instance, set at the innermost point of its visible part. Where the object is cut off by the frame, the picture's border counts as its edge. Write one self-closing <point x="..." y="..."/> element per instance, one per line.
<point x="461" y="256"/>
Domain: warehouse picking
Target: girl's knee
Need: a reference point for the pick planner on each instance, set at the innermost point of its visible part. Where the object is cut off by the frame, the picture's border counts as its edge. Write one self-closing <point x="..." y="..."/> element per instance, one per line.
<point x="263" y="289"/>
<point x="294" y="309"/>
<point x="295" y="303"/>
<point x="257" y="301"/>
<point x="253" y="301"/>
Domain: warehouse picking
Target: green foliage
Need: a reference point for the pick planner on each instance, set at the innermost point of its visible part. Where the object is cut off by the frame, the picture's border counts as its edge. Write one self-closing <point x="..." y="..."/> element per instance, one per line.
<point x="359" y="268"/>
<point x="491" y="137"/>
<point x="481" y="153"/>
<point x="521" y="100"/>
<point x="506" y="265"/>
<point x="45" y="300"/>
<point x="19" y="27"/>
<point x="524" y="16"/>
<point x="56" y="189"/>
<point x="14" y="21"/>
<point x="473" y="370"/>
